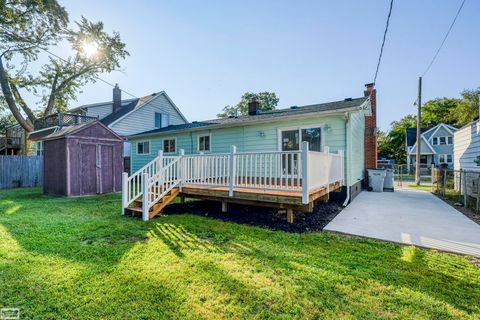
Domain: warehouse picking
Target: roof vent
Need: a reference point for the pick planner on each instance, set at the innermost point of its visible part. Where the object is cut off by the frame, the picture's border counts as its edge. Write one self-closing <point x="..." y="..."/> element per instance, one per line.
<point x="294" y="107"/>
<point x="348" y="99"/>
<point x="154" y="94"/>
<point x="194" y="121"/>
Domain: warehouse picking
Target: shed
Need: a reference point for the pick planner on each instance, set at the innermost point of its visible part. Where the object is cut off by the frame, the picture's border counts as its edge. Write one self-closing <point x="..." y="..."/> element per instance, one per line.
<point x="81" y="159"/>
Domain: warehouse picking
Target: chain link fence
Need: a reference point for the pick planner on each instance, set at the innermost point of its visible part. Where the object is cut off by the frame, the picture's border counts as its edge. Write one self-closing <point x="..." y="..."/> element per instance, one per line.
<point x="460" y="186"/>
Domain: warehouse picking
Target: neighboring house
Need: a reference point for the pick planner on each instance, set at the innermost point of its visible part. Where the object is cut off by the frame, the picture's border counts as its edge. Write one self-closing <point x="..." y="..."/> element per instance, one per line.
<point x="128" y="116"/>
<point x="13" y="141"/>
<point x="467" y="147"/>
<point x="348" y="125"/>
<point x="436" y="145"/>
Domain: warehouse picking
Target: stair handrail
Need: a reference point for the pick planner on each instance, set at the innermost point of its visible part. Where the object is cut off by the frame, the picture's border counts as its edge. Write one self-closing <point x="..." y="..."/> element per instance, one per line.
<point x="167" y="179"/>
<point x="132" y="186"/>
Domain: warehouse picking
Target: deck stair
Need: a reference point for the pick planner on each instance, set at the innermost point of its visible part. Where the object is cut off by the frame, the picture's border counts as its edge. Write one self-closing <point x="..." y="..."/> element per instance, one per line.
<point x="136" y="209"/>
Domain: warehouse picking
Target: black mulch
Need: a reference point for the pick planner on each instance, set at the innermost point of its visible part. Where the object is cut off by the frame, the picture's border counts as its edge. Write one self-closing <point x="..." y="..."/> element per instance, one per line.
<point x="260" y="216"/>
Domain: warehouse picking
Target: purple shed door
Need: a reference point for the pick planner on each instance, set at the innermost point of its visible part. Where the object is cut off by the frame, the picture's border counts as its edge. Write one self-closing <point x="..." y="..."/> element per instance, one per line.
<point x="88" y="169"/>
<point x="107" y="174"/>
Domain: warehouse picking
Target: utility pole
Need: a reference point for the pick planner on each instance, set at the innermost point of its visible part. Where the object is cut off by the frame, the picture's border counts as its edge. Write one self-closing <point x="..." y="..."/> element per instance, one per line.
<point x="419" y="133"/>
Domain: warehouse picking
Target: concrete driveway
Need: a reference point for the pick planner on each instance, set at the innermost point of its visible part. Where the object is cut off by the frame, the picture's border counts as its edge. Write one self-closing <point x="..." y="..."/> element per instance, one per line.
<point x="409" y="217"/>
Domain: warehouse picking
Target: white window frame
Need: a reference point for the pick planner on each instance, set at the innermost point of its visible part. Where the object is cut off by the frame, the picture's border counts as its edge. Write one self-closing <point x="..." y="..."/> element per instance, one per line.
<point x="149" y="148"/>
<point x="163" y="145"/>
<point x="155" y="120"/>
<point x="451" y="158"/>
<point x="435" y="141"/>
<point x="300" y="128"/>
<point x="440" y="141"/>
<point x="449" y="138"/>
<point x="198" y="142"/>
<point x="39" y="148"/>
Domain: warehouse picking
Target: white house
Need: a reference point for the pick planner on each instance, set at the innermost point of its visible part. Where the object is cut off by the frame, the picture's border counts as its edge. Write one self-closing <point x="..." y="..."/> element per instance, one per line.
<point x="130" y="116"/>
<point x="467" y="147"/>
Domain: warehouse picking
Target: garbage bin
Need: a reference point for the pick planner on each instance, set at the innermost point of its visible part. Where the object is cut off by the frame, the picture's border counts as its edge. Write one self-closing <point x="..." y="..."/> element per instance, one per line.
<point x="388" y="182"/>
<point x="376" y="179"/>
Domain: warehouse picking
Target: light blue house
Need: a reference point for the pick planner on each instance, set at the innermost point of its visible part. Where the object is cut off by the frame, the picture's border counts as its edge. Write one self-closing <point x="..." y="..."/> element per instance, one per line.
<point x="332" y="126"/>
<point x="436" y="146"/>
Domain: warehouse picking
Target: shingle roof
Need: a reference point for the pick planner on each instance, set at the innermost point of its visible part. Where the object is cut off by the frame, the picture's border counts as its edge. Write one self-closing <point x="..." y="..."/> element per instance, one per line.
<point x="412" y="135"/>
<point x="314" y="108"/>
<point x="120" y="113"/>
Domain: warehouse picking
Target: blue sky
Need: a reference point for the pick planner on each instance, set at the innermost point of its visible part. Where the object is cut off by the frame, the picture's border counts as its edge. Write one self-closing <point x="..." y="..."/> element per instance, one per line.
<point x="206" y="54"/>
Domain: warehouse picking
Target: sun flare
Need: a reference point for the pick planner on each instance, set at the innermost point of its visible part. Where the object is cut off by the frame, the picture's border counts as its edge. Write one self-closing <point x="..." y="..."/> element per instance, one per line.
<point x="89" y="48"/>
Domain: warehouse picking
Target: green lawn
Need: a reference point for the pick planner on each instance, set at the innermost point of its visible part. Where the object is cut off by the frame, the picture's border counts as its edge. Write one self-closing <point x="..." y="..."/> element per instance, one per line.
<point x="79" y="259"/>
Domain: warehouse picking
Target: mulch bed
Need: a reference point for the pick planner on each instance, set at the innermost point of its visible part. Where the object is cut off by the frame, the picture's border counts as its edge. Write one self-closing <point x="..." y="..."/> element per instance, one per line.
<point x="260" y="216"/>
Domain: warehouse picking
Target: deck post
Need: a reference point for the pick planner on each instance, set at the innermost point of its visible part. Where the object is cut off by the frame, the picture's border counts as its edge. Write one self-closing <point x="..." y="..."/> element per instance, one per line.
<point x="181" y="169"/>
<point x="305" y="182"/>
<point x="145" y="195"/>
<point x="342" y="166"/>
<point x="233" y="171"/>
<point x="124" y="191"/>
<point x="160" y="161"/>
<point x="224" y="206"/>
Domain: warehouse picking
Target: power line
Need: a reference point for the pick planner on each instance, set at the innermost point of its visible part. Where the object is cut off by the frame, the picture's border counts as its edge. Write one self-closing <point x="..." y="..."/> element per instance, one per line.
<point x="383" y="42"/>
<point x="444" y="39"/>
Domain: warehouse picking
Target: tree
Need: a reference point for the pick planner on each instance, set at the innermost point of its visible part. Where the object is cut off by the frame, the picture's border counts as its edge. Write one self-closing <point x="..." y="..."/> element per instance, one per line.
<point x="28" y="28"/>
<point x="384" y="145"/>
<point x="467" y="109"/>
<point x="268" y="101"/>
<point x="439" y="110"/>
<point x="397" y="136"/>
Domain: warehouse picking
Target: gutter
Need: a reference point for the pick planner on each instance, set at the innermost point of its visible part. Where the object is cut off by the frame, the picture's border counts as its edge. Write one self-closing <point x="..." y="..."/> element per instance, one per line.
<point x="347" y="157"/>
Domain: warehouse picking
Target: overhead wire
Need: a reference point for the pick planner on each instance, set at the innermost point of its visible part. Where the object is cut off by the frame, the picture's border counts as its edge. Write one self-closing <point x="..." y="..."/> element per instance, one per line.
<point x="383" y="42"/>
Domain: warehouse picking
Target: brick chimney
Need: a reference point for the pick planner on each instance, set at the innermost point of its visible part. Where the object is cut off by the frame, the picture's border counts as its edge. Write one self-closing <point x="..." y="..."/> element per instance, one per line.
<point x="253" y="107"/>
<point x="117" y="99"/>
<point x="370" y="138"/>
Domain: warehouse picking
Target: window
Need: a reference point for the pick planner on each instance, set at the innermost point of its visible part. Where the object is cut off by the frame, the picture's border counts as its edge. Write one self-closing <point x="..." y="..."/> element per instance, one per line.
<point x="435" y="141"/>
<point x="39" y="148"/>
<point x="158" y="120"/>
<point x="162" y="120"/>
<point x="445" y="158"/>
<point x="290" y="139"/>
<point x="143" y="147"/>
<point x="449" y="140"/>
<point x="443" y="140"/>
<point x="204" y="143"/>
<point x="169" y="145"/>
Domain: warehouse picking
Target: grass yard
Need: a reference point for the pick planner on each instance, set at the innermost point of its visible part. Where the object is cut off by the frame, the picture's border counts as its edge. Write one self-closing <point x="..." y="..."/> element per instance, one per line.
<point x="79" y="259"/>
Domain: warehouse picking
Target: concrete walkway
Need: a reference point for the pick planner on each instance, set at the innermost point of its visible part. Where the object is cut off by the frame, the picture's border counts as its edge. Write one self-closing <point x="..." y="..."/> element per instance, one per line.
<point x="409" y="217"/>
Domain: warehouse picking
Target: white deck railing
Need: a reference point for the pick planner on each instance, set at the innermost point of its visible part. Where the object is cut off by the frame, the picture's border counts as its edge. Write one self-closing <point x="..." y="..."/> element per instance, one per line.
<point x="288" y="171"/>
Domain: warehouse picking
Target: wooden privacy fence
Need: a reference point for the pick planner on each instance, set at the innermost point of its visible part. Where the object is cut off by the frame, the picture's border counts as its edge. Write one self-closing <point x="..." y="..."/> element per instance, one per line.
<point x="21" y="171"/>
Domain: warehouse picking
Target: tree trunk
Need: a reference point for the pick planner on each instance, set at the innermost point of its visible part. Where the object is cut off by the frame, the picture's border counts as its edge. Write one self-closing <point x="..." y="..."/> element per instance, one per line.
<point x="51" y="98"/>
<point x="22" y="103"/>
<point x="7" y="93"/>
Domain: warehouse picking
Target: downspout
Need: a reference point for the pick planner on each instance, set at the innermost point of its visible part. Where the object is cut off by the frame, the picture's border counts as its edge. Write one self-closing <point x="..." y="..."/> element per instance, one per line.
<point x="347" y="156"/>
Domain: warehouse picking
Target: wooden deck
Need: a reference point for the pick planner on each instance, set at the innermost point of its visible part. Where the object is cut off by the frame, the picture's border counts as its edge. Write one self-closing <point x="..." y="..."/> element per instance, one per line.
<point x="260" y="197"/>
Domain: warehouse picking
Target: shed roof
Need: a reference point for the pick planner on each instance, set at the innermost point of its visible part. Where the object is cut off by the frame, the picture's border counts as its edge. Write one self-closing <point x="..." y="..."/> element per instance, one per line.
<point x="60" y="132"/>
<point x="274" y="114"/>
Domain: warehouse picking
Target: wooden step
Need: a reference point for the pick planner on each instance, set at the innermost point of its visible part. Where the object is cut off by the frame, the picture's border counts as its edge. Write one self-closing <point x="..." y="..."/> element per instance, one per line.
<point x="157" y="208"/>
<point x="136" y="209"/>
